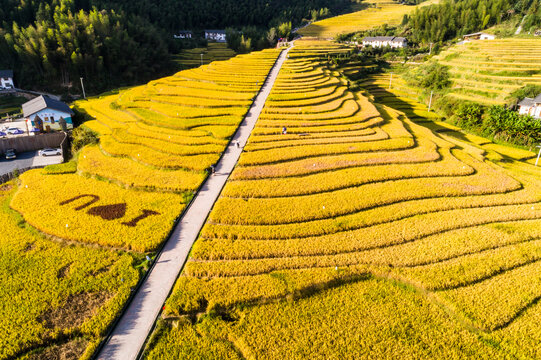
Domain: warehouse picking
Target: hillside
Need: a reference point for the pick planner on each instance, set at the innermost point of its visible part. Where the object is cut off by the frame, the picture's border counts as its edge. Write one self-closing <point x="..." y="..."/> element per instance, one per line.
<point x="359" y="234"/>
<point x="374" y="13"/>
<point x="75" y="236"/>
<point x="487" y="72"/>
<point x="51" y="44"/>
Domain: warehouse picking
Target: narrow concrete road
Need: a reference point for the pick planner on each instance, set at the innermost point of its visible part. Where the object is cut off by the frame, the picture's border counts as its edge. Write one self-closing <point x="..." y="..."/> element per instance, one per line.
<point x="131" y="331"/>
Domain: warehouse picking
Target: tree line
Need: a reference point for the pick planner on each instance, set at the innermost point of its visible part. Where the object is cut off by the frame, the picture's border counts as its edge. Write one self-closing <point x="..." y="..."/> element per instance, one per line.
<point x="50" y="44"/>
<point x="453" y="18"/>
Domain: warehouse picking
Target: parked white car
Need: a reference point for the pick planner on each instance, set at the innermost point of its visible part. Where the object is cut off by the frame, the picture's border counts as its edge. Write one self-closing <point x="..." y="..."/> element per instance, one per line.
<point x="50" y="152"/>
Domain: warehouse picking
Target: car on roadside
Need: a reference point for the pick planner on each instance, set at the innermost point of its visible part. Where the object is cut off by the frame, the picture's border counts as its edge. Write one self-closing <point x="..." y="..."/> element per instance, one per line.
<point x="14" y="131"/>
<point x="10" y="154"/>
<point x="2" y="134"/>
<point x="50" y="152"/>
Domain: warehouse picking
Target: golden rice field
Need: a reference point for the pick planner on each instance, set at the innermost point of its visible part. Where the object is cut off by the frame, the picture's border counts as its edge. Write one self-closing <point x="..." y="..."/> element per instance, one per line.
<point x="404" y="98"/>
<point x="374" y="13"/>
<point x="75" y="236"/>
<point x="190" y="58"/>
<point x="487" y="72"/>
<point x="360" y="234"/>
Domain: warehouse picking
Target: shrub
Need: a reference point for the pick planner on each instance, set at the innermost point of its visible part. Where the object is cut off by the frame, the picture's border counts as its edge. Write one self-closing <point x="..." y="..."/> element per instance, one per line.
<point x="81" y="137"/>
<point x="470" y="114"/>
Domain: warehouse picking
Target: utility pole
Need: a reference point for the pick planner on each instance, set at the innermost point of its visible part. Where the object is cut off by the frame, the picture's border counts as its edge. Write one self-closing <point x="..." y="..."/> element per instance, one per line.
<point x="391" y="81"/>
<point x="83" y="87"/>
<point x="430" y="51"/>
<point x="201" y="58"/>
<point x="430" y="102"/>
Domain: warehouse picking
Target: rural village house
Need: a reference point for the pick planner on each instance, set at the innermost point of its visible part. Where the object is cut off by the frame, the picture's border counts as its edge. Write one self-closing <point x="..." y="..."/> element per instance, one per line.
<point x="479" y="36"/>
<point x="6" y="79"/>
<point x="383" y="41"/>
<point x="49" y="111"/>
<point x="184" y="34"/>
<point x="215" y="35"/>
<point x="531" y="107"/>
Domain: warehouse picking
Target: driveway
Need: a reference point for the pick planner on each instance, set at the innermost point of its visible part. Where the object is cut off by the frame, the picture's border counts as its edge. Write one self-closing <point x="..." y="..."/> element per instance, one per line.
<point x="25" y="160"/>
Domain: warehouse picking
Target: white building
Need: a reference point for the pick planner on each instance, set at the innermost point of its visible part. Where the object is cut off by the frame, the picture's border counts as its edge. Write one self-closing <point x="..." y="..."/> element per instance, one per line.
<point x="184" y="34"/>
<point x="6" y="79"/>
<point x="48" y="112"/>
<point x="384" y="41"/>
<point x="215" y="35"/>
<point x="531" y="107"/>
<point x="479" y="36"/>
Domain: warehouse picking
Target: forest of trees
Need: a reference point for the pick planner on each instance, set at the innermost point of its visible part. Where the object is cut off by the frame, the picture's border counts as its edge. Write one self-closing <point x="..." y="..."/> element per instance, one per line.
<point x="453" y="18"/>
<point x="50" y="44"/>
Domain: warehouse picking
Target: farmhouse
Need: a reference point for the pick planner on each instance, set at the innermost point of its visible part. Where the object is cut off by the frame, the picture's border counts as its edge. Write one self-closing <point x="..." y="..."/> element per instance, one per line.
<point x="48" y="111"/>
<point x="6" y="79"/>
<point x="479" y="36"/>
<point x="184" y="34"/>
<point x="215" y="35"/>
<point x="383" y="41"/>
<point x="531" y="107"/>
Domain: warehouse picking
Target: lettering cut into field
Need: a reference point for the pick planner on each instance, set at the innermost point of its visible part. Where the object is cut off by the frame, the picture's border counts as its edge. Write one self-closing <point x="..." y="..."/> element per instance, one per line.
<point x="355" y="233"/>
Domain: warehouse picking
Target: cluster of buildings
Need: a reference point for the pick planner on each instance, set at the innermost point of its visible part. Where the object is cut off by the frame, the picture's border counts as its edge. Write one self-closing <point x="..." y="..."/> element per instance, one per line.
<point x="396" y="42"/>
<point x="41" y="112"/>
<point x="393" y="42"/>
<point x="211" y="35"/>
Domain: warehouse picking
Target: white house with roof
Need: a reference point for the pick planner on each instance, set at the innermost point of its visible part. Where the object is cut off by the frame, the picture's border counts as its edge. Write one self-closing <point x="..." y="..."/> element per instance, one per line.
<point x="6" y="79"/>
<point x="215" y="35"/>
<point x="49" y="111"/>
<point x="184" y="34"/>
<point x="478" y="36"/>
<point x="531" y="107"/>
<point x="384" y="41"/>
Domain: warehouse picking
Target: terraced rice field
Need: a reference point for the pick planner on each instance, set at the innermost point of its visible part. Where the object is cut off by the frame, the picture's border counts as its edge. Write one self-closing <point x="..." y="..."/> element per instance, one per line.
<point x="74" y="238"/>
<point x="191" y="58"/>
<point x="360" y="234"/>
<point x="488" y="72"/>
<point x="374" y="13"/>
<point x="404" y="98"/>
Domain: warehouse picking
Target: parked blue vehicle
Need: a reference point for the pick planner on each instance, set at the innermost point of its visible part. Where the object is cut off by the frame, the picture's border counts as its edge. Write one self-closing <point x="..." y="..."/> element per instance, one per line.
<point x="15" y="131"/>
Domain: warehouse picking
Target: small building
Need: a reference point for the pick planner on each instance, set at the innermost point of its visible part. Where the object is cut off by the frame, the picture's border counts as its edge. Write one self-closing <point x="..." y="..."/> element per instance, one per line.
<point x="6" y="79"/>
<point x="47" y="111"/>
<point x="529" y="106"/>
<point x="385" y="41"/>
<point x="184" y="34"/>
<point x="479" y="36"/>
<point x="215" y="35"/>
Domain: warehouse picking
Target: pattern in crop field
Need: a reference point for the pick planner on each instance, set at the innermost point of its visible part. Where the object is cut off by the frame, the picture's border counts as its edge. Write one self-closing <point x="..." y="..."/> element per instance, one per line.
<point x="74" y="236"/>
<point x="161" y="143"/>
<point x="488" y="71"/>
<point x="52" y="293"/>
<point x="371" y="13"/>
<point x="336" y="226"/>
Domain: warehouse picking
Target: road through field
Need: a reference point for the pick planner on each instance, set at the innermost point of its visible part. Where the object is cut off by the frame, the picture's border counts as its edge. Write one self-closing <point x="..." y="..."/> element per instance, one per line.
<point x="130" y="333"/>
